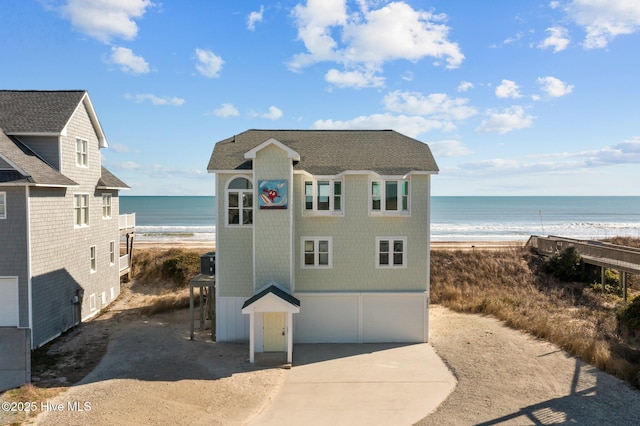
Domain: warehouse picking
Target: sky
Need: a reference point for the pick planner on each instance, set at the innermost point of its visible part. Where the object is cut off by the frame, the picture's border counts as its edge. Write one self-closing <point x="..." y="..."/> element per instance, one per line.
<point x="513" y="97"/>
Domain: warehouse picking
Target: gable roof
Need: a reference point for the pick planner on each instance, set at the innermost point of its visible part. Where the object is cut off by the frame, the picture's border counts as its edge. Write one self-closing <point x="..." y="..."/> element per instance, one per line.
<point x="275" y="290"/>
<point x="29" y="168"/>
<point x="44" y="112"/>
<point x="330" y="152"/>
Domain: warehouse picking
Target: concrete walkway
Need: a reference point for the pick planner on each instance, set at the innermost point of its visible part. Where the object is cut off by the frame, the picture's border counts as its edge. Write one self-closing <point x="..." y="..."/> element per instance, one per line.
<point x="359" y="384"/>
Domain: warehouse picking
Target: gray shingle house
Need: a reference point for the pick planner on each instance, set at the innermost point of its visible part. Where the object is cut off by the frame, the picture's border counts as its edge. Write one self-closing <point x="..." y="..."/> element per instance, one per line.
<point x="322" y="236"/>
<point x="59" y="230"/>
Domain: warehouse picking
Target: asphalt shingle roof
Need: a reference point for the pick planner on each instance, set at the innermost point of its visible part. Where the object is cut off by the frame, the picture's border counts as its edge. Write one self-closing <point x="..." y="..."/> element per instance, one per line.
<point x="329" y="152"/>
<point x="34" y="111"/>
<point x="275" y="290"/>
<point x="109" y="180"/>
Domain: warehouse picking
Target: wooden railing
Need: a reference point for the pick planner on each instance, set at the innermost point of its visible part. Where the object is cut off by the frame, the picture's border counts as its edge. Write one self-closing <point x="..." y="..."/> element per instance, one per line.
<point x="127" y="221"/>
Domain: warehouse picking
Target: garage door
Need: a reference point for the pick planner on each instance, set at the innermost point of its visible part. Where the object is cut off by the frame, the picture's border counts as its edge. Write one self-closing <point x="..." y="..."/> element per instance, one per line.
<point x="8" y="301"/>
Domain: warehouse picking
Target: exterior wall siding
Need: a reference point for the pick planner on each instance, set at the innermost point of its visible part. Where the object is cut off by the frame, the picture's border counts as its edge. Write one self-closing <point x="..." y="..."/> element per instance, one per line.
<point x="61" y="253"/>
<point x="272" y="228"/>
<point x="234" y="254"/>
<point x="13" y="246"/>
<point x="47" y="147"/>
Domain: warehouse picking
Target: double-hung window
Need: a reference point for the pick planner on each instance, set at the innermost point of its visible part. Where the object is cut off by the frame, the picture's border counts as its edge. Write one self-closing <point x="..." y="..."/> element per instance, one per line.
<point x="391" y="252"/>
<point x="317" y="252"/>
<point x="81" y="153"/>
<point x="112" y="253"/>
<point x="240" y="202"/>
<point x="3" y="205"/>
<point x="106" y="206"/>
<point x="92" y="259"/>
<point x="81" y="210"/>
<point x="323" y="196"/>
<point x="389" y="196"/>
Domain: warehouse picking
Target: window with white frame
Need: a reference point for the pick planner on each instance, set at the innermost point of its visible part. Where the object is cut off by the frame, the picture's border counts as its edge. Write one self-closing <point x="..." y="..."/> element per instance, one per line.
<point x="81" y="210"/>
<point x="106" y="206"/>
<point x="389" y="196"/>
<point x="92" y="259"/>
<point x="240" y="202"/>
<point x="112" y="253"/>
<point x="81" y="152"/>
<point x="317" y="252"/>
<point x="323" y="195"/>
<point x="3" y="205"/>
<point x="391" y="252"/>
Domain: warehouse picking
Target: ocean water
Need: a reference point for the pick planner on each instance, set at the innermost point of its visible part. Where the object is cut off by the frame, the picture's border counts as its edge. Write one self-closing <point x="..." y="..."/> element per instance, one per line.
<point x="164" y="218"/>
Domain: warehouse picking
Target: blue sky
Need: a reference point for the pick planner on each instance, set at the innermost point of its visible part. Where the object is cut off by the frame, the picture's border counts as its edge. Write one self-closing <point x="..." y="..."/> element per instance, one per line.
<point x="514" y="97"/>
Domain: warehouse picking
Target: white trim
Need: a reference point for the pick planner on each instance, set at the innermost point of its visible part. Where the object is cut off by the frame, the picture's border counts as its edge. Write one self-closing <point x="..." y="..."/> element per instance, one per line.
<point x="112" y="253"/>
<point x="391" y="241"/>
<point x="83" y="144"/>
<point x="383" y="190"/>
<point x="316" y="252"/>
<point x="93" y="260"/>
<point x="27" y="197"/>
<point x="292" y="233"/>
<point x="88" y="207"/>
<point x="314" y="195"/>
<point x="106" y="195"/>
<point x="12" y="164"/>
<point x="240" y="207"/>
<point x="92" y="303"/>
<point x="250" y="155"/>
<point x="3" y="203"/>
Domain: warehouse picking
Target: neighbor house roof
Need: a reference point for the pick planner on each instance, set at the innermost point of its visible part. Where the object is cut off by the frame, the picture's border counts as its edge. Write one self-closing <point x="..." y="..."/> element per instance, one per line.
<point x="44" y="112"/>
<point x="29" y="168"/>
<point x="330" y="152"/>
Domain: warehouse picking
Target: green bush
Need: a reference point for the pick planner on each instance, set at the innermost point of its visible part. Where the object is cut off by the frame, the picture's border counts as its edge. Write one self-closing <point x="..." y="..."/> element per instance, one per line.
<point x="565" y="265"/>
<point x="180" y="266"/>
<point x="629" y="318"/>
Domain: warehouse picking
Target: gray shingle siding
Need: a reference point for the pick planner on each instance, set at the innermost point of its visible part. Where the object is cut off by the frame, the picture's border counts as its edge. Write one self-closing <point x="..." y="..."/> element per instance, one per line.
<point x="13" y="246"/>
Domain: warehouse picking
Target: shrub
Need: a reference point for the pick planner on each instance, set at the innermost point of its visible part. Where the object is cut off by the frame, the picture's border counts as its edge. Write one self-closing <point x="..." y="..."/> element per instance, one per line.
<point x="629" y="319"/>
<point x="565" y="265"/>
<point x="181" y="266"/>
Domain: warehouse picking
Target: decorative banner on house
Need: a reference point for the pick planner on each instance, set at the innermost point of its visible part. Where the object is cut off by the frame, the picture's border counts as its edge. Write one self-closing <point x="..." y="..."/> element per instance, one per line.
<point x="272" y="194"/>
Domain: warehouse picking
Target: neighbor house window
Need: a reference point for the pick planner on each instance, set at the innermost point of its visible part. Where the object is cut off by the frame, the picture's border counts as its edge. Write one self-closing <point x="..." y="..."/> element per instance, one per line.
<point x="317" y="252"/>
<point x="81" y="152"/>
<point x="3" y="205"/>
<point x="81" y="209"/>
<point x="92" y="258"/>
<point x="112" y="253"/>
<point x="390" y="196"/>
<point x="391" y="252"/>
<point x="323" y="195"/>
<point x="240" y="202"/>
<point x="106" y="206"/>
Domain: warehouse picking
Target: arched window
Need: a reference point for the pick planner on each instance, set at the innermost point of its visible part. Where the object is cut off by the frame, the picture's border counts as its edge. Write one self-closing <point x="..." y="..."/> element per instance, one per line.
<point x="240" y="202"/>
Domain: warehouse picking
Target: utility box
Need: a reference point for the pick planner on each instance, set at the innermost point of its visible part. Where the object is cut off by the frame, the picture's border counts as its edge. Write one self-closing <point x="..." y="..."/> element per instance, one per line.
<point x="208" y="263"/>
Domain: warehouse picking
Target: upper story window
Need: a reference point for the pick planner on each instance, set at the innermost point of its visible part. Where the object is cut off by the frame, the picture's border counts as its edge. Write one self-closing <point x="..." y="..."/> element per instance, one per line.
<point x="92" y="259"/>
<point x="240" y="202"/>
<point x="317" y="252"/>
<point x="106" y="206"/>
<point x="81" y="210"/>
<point x="323" y="196"/>
<point x="3" y="205"/>
<point x="81" y="153"/>
<point x="391" y="252"/>
<point x="390" y="196"/>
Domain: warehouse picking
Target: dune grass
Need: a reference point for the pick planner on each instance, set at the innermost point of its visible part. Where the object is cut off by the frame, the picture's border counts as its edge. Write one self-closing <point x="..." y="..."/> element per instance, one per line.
<point x="512" y="286"/>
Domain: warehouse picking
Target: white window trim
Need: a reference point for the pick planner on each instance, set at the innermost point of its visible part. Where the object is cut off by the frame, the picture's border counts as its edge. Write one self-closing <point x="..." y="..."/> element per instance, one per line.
<point x="226" y="202"/>
<point x="383" y="189"/>
<point x="85" y="144"/>
<point x="314" y="211"/>
<point x="391" y="240"/>
<point x="92" y="302"/>
<point x="88" y="217"/>
<point x="109" y="205"/>
<point x="3" y="203"/>
<point x="112" y="253"/>
<point x="316" y="253"/>
<point x="93" y="260"/>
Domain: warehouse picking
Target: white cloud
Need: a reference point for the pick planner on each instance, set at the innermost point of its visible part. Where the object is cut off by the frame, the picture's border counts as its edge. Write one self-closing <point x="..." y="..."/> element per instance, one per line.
<point x="554" y="87"/>
<point x="464" y="86"/>
<point x="603" y="20"/>
<point x="253" y="18"/>
<point x="355" y="79"/>
<point x="106" y="19"/>
<point x="554" y="4"/>
<point x="273" y="114"/>
<point x="209" y="64"/>
<point x="449" y="148"/>
<point x="626" y="152"/>
<point x="128" y="61"/>
<point x="558" y="39"/>
<point x="409" y="125"/>
<point x="508" y="89"/>
<point x="370" y="37"/>
<point x="226" y="110"/>
<point x="119" y="148"/>
<point x="506" y="120"/>
<point x="157" y="171"/>
<point x="155" y="100"/>
<point x="437" y="105"/>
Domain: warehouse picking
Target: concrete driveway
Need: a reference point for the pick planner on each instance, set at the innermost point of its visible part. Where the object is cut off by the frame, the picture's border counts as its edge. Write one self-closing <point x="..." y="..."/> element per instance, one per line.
<point x="359" y="384"/>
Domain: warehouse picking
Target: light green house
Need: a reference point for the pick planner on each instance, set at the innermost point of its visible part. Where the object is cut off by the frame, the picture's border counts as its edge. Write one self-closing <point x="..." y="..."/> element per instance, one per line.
<point x="322" y="236"/>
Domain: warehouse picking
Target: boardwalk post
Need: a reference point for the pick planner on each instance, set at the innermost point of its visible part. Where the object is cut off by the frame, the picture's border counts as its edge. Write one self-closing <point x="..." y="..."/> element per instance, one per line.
<point x="623" y="282"/>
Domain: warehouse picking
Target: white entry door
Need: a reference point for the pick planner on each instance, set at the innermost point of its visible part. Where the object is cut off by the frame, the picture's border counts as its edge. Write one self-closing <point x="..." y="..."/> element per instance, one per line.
<point x="8" y="301"/>
<point x="274" y="335"/>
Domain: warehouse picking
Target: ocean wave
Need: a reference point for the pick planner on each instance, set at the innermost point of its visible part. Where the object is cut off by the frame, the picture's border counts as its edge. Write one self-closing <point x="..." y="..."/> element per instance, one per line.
<point x="173" y="233"/>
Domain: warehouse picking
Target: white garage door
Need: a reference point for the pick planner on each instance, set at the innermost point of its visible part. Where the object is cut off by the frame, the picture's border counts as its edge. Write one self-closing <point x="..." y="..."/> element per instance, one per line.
<point x="8" y="302"/>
